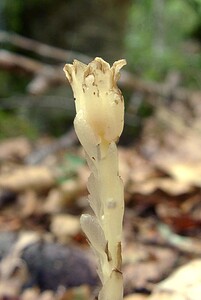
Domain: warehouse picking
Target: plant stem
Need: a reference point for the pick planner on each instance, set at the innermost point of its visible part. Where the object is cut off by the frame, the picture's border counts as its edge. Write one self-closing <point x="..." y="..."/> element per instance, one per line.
<point x="98" y="124"/>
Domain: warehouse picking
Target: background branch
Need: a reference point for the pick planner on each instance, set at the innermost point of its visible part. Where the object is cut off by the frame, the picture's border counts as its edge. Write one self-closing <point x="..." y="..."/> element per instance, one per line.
<point x="41" y="48"/>
<point x="46" y="76"/>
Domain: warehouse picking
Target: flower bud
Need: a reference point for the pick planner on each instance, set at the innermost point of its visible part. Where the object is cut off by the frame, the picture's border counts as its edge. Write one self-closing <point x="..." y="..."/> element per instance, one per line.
<point x="97" y="97"/>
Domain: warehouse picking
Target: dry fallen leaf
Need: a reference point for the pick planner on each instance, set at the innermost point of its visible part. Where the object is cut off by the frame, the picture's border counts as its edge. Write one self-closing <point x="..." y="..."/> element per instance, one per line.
<point x="65" y="226"/>
<point x="184" y="284"/>
<point x="29" y="203"/>
<point x="39" y="178"/>
<point x="185" y="172"/>
<point x="63" y="196"/>
<point x="13" y="270"/>
<point x="143" y="266"/>
<point x="136" y="297"/>
<point x="54" y="201"/>
<point x="167" y="185"/>
<point x="14" y="148"/>
<point x="47" y="295"/>
<point x="83" y="293"/>
<point x="30" y="294"/>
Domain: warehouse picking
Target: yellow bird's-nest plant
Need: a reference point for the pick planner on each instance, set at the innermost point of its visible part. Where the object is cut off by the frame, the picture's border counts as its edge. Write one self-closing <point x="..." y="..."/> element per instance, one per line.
<point x="98" y="124"/>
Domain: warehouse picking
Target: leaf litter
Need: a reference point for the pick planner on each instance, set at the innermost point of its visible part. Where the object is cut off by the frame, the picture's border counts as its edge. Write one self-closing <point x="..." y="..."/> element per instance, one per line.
<point x="161" y="241"/>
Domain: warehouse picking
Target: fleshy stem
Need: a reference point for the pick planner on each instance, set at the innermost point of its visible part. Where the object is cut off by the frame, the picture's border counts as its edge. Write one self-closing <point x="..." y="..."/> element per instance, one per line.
<point x="98" y="124"/>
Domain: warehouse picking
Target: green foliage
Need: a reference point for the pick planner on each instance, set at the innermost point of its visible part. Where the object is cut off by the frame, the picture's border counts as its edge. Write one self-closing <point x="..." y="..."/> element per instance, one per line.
<point x="4" y="83"/>
<point x="47" y="120"/>
<point x="70" y="167"/>
<point x="160" y="38"/>
<point x="14" y="125"/>
<point x="12" y="83"/>
<point x="156" y="39"/>
<point x="15" y="9"/>
<point x="12" y="12"/>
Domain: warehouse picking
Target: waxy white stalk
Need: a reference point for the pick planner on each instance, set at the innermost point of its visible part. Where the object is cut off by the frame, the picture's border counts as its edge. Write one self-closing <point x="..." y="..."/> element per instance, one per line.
<point x="99" y="123"/>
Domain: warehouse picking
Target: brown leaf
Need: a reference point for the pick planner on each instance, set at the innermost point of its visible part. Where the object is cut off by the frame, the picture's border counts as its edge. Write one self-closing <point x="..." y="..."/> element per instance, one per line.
<point x="30" y="294"/>
<point x="184" y="284"/>
<point x="136" y="297"/>
<point x="83" y="293"/>
<point x="64" y="227"/>
<point x="145" y="265"/>
<point x="14" y="148"/>
<point x="39" y="178"/>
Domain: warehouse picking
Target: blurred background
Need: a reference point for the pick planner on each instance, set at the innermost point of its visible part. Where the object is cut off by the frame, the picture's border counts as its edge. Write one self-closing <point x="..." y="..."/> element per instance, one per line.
<point x="43" y="173"/>
<point x="159" y="39"/>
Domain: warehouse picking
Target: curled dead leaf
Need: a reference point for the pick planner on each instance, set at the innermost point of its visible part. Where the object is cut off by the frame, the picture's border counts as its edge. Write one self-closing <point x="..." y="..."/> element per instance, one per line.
<point x="39" y="178"/>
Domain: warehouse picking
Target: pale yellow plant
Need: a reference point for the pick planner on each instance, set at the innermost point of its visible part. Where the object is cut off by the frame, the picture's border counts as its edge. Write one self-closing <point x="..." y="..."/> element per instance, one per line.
<point x="99" y="123"/>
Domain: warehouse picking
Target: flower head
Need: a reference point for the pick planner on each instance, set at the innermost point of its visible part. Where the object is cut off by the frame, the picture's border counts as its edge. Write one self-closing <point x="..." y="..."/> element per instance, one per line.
<point x="97" y="97"/>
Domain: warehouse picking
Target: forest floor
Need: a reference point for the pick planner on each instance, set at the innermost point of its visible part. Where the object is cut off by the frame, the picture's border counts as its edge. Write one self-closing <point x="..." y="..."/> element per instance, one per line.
<point x="45" y="255"/>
